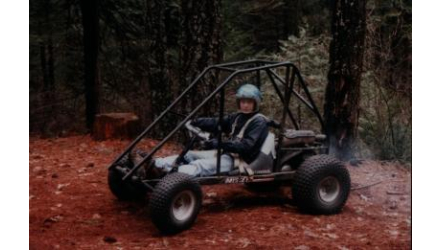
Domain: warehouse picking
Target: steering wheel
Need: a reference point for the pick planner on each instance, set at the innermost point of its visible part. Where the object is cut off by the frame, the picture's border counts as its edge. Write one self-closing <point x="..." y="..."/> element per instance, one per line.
<point x="195" y="134"/>
<point x="195" y="131"/>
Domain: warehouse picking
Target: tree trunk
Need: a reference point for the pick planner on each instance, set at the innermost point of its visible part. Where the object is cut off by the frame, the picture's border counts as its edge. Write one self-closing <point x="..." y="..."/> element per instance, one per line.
<point x="51" y="64"/>
<point x="89" y="10"/>
<point x="158" y="75"/>
<point x="200" y="46"/>
<point x="50" y="59"/>
<point x="341" y="109"/>
<point x="43" y="63"/>
<point x="116" y="125"/>
<point x="292" y="18"/>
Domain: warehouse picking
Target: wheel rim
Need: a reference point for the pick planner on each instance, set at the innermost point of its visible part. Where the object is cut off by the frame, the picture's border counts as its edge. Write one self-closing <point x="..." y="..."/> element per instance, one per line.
<point x="183" y="205"/>
<point x="329" y="189"/>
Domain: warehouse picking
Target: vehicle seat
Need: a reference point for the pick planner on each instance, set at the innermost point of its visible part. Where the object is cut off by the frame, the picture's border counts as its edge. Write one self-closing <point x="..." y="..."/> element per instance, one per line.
<point x="264" y="162"/>
<point x="299" y="137"/>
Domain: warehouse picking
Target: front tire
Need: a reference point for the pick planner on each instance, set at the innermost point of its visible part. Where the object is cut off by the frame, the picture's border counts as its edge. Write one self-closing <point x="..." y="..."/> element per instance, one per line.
<point x="321" y="185"/>
<point x="175" y="203"/>
<point x="124" y="190"/>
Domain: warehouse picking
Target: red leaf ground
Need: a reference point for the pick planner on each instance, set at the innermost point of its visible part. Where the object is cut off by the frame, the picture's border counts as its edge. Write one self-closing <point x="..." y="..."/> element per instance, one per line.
<point x="71" y="207"/>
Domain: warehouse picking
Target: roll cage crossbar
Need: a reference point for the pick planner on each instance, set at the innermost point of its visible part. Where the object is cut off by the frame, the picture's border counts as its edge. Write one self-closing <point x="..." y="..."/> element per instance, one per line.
<point x="233" y="70"/>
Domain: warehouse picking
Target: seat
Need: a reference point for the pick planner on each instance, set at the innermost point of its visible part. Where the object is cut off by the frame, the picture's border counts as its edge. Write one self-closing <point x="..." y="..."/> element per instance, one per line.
<point x="296" y="137"/>
<point x="264" y="161"/>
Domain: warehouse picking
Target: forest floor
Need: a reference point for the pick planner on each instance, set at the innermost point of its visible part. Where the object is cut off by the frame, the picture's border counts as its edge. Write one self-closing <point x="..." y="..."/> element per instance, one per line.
<point x="71" y="207"/>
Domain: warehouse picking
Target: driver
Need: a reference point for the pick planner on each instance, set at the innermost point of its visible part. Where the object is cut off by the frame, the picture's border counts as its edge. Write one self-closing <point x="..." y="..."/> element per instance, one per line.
<point x="243" y="144"/>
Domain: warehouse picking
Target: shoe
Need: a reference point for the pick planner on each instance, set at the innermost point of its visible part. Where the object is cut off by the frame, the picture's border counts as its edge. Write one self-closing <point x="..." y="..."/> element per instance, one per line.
<point x="148" y="170"/>
<point x="153" y="172"/>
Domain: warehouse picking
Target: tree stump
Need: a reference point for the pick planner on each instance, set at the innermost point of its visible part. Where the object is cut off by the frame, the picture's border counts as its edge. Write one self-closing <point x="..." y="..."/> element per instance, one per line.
<point x="116" y="125"/>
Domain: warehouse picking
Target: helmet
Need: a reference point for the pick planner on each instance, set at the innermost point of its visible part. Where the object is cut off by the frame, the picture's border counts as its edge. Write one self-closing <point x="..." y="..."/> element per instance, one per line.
<point x="249" y="91"/>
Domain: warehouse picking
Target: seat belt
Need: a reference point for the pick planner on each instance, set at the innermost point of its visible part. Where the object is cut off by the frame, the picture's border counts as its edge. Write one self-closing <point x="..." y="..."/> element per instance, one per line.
<point x="241" y="133"/>
<point x="238" y="162"/>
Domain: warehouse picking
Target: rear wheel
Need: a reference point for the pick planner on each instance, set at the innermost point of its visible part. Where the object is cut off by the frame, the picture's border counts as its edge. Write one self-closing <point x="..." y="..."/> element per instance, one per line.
<point x="175" y="203"/>
<point x="321" y="185"/>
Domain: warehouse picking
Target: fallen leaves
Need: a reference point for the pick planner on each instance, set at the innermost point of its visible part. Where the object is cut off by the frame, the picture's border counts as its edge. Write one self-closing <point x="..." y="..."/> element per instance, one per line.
<point x="109" y="239"/>
<point x="96" y="216"/>
<point x="48" y="222"/>
<point x="39" y="170"/>
<point x="64" y="165"/>
<point x="68" y="193"/>
<point x="331" y="236"/>
<point x="242" y="243"/>
<point x="302" y="247"/>
<point x="309" y="233"/>
<point x="61" y="186"/>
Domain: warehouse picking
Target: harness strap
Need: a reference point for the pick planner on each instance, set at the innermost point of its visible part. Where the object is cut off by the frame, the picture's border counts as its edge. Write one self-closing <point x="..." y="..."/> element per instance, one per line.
<point x="238" y="162"/>
<point x="234" y="125"/>
<point x="243" y="129"/>
<point x="242" y="165"/>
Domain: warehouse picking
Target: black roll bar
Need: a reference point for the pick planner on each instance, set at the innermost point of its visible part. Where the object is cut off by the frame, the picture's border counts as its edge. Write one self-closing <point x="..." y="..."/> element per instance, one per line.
<point x="229" y="67"/>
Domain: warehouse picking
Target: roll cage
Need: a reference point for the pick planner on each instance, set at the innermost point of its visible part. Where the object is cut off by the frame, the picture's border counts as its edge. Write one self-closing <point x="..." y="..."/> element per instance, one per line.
<point x="234" y="69"/>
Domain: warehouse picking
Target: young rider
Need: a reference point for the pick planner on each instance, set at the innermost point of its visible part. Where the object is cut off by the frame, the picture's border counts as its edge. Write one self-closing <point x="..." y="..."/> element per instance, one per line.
<point x="243" y="144"/>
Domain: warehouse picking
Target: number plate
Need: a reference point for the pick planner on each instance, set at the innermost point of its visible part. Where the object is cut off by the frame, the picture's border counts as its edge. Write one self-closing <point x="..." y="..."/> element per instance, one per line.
<point x="238" y="179"/>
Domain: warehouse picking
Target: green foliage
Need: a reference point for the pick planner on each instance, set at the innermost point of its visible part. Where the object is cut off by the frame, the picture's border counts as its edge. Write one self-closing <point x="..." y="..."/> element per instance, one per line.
<point x="385" y="122"/>
<point x="385" y="117"/>
<point x="310" y="55"/>
<point x="150" y="50"/>
<point x="256" y="27"/>
<point x="55" y="66"/>
<point x="385" y="111"/>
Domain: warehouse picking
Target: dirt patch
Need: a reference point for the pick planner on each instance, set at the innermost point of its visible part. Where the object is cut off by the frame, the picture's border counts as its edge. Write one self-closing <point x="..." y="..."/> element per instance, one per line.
<point x="71" y="207"/>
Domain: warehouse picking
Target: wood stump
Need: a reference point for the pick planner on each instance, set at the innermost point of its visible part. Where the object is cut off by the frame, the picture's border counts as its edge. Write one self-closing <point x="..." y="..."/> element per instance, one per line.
<point x="116" y="125"/>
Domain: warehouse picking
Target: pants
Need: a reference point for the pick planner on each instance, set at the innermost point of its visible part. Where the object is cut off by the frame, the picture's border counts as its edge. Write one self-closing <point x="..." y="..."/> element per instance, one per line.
<point x="200" y="163"/>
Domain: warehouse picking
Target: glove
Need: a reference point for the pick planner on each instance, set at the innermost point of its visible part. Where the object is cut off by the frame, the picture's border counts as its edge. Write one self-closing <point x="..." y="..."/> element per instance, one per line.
<point x="211" y="144"/>
<point x="274" y="124"/>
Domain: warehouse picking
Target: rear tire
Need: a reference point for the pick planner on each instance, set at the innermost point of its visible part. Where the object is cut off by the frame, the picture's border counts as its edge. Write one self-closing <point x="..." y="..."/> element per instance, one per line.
<point x="175" y="203"/>
<point x="321" y="185"/>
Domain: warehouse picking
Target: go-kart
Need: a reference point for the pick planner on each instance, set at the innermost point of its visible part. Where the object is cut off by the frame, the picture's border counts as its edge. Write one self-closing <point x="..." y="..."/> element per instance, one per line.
<point x="299" y="158"/>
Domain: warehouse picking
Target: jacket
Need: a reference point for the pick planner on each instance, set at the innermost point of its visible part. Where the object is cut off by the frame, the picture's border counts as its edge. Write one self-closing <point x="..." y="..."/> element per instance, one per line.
<point x="249" y="146"/>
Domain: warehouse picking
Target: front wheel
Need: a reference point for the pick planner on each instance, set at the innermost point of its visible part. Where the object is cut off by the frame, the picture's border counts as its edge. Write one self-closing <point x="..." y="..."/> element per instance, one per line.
<point x="321" y="185"/>
<point x="175" y="203"/>
<point x="124" y="190"/>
